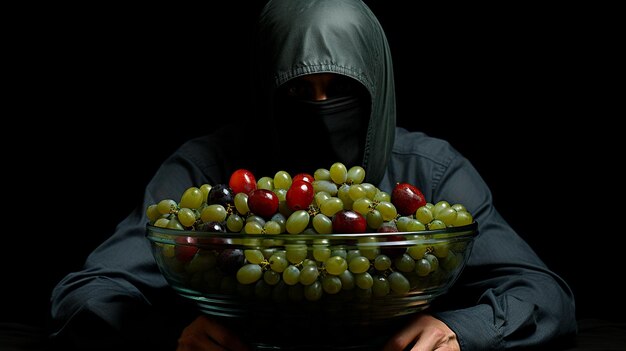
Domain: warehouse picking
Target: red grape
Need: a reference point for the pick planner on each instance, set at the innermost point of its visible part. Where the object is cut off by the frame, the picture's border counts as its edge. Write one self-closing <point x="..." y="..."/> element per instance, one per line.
<point x="242" y="181"/>
<point x="300" y="195"/>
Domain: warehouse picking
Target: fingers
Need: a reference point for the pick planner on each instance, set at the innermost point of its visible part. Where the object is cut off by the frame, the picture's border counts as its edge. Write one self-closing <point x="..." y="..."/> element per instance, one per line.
<point x="206" y="334"/>
<point x="424" y="333"/>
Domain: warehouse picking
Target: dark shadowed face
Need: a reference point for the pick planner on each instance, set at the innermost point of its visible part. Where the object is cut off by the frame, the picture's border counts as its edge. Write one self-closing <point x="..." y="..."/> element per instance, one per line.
<point x="325" y="114"/>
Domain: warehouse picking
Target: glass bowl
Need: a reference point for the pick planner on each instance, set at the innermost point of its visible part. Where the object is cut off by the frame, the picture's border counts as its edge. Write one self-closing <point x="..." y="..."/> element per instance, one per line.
<point x="348" y="292"/>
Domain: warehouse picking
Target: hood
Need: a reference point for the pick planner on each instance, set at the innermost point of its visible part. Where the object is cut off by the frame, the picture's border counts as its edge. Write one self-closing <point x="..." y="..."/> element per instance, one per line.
<point x="299" y="37"/>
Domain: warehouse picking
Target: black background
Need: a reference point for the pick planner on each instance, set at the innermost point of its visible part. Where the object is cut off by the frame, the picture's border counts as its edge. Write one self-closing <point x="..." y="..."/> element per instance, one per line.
<point x="102" y="96"/>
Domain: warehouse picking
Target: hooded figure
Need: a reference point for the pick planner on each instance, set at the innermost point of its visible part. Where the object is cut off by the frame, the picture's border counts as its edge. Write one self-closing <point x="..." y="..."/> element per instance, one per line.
<point x="505" y="298"/>
<point x="298" y="38"/>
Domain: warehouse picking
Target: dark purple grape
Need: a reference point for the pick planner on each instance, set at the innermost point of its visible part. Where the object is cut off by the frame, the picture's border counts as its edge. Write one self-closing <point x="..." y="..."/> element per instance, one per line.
<point x="212" y="227"/>
<point x="221" y="194"/>
<point x="230" y="260"/>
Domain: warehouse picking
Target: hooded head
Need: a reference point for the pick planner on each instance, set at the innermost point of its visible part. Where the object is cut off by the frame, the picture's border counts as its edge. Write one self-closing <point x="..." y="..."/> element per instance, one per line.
<point x="341" y="39"/>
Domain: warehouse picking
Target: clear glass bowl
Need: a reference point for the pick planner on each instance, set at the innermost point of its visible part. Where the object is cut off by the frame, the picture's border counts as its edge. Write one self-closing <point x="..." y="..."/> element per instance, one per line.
<point x="202" y="266"/>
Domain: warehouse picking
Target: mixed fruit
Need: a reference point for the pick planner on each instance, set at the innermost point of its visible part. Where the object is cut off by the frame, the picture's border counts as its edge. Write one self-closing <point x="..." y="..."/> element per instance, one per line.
<point x="274" y="212"/>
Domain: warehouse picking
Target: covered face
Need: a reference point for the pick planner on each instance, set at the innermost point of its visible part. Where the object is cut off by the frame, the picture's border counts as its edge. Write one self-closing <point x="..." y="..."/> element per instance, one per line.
<point x="338" y="46"/>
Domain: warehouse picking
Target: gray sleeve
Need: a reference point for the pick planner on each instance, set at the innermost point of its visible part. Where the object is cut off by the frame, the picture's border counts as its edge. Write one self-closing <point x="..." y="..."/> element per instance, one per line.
<point x="506" y="296"/>
<point x="119" y="297"/>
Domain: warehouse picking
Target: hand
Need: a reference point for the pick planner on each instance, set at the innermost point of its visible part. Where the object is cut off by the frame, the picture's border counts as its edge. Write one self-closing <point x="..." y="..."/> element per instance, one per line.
<point x="428" y="333"/>
<point x="205" y="334"/>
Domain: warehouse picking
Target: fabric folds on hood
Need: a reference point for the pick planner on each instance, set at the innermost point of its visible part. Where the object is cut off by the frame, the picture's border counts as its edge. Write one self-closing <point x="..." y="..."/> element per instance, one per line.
<point x="300" y="37"/>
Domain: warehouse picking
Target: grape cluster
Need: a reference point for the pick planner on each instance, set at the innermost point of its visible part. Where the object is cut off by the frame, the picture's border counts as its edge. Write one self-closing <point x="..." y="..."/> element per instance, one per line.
<point x="275" y="212"/>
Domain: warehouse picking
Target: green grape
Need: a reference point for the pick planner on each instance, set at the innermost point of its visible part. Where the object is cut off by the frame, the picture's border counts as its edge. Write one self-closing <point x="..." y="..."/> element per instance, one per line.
<point x="249" y="273"/>
<point x="436" y="224"/>
<point x="339" y="250"/>
<point x="441" y="249"/>
<point x="153" y="213"/>
<point x="296" y="253"/>
<point x="417" y="251"/>
<point x="241" y="203"/>
<point x="413" y="225"/>
<point x="462" y="218"/>
<point x="447" y="215"/>
<point x="187" y="217"/>
<point x="320" y="197"/>
<point x="459" y="207"/>
<point x="282" y="180"/>
<point x="326" y="186"/>
<point x="362" y="205"/>
<point x="382" y="196"/>
<point x="266" y="183"/>
<point x="359" y="264"/>
<point x="254" y="256"/>
<point x="297" y="222"/>
<point x="352" y="254"/>
<point x="278" y="262"/>
<point x="422" y="267"/>
<point x="321" y="174"/>
<point x="387" y="210"/>
<point x="234" y="223"/>
<point x="331" y="284"/>
<point x="167" y="206"/>
<point x="370" y="190"/>
<point x="398" y="283"/>
<point x="380" y="286"/>
<point x="281" y="220"/>
<point x="382" y="263"/>
<point x="213" y="213"/>
<point x="253" y="227"/>
<point x="268" y="252"/>
<point x="356" y="175"/>
<point x="424" y="214"/>
<point x="338" y="173"/>
<point x="433" y="260"/>
<point x="205" y="189"/>
<point x="322" y="224"/>
<point x="191" y="198"/>
<point x="347" y="280"/>
<point x="374" y="219"/>
<point x="401" y="223"/>
<point x="281" y="194"/>
<point x="439" y="206"/>
<point x="161" y="222"/>
<point x="331" y="206"/>
<point x="335" y="265"/>
<point x="368" y="247"/>
<point x="271" y="277"/>
<point x="404" y="263"/>
<point x="257" y="219"/>
<point x="313" y="291"/>
<point x="363" y="280"/>
<point x="295" y="292"/>
<point x="291" y="275"/>
<point x="321" y="253"/>
<point x="175" y="224"/>
<point x="308" y="275"/>
<point x="309" y="262"/>
<point x="272" y="228"/>
<point x="344" y="196"/>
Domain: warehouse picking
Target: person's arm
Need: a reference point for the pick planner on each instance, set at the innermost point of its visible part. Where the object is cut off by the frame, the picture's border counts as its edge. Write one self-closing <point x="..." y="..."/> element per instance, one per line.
<point x="120" y="298"/>
<point x="506" y="297"/>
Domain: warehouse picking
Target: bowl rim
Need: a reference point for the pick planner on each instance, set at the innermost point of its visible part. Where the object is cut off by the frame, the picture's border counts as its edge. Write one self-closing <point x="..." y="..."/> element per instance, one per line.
<point x="424" y="236"/>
